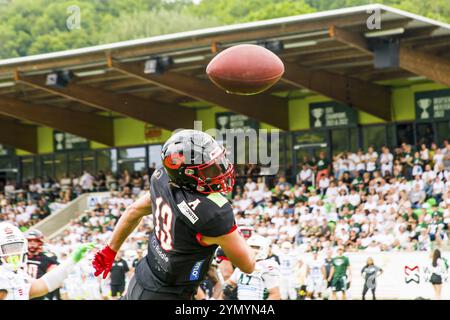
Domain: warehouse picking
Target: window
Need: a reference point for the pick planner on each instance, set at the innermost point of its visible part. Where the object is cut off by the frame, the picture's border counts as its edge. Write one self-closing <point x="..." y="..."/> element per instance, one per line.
<point x="89" y="161"/>
<point x="154" y="155"/>
<point x="104" y="160"/>
<point x="132" y="159"/>
<point x="344" y="140"/>
<point x="391" y="136"/>
<point x="443" y="132"/>
<point x="75" y="163"/>
<point x="424" y="134"/>
<point x="373" y="136"/>
<point x="405" y="133"/>
<point x="339" y="141"/>
<point x="353" y="140"/>
<point x="27" y="168"/>
<point x="60" y="165"/>
<point x="47" y="166"/>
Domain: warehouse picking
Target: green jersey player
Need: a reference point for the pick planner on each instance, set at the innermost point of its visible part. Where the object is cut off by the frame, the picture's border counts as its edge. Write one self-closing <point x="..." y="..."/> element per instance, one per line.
<point x="340" y="275"/>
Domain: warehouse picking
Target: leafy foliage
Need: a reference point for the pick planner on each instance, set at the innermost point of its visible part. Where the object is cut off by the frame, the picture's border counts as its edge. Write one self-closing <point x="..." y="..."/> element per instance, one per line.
<point x="37" y="26"/>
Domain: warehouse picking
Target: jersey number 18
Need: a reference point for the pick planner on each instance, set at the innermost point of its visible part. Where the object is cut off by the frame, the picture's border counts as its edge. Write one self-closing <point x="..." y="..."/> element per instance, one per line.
<point x="163" y="224"/>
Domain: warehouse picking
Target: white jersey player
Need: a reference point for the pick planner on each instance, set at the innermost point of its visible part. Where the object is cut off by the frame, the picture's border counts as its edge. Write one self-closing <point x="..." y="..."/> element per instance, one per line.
<point x="263" y="283"/>
<point x="15" y="284"/>
<point x="289" y="263"/>
<point x="315" y="276"/>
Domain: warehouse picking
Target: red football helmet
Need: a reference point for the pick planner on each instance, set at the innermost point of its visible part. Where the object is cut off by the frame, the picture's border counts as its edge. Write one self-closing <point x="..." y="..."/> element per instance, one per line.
<point x="246" y="232"/>
<point x="35" y="241"/>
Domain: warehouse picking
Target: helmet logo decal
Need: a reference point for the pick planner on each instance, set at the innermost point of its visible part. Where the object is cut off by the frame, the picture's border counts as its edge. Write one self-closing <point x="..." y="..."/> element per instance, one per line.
<point x="174" y="161"/>
<point x="215" y="152"/>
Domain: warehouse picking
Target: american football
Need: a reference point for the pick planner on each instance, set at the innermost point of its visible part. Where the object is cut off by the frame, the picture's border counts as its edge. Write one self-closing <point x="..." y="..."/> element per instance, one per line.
<point x="224" y="150"/>
<point x="245" y="69"/>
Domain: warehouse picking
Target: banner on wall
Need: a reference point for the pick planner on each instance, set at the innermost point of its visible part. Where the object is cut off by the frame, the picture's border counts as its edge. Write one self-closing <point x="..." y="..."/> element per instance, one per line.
<point x="152" y="133"/>
<point x="433" y="105"/>
<point x="405" y="275"/>
<point x="331" y="114"/>
<point x="234" y="121"/>
<point x="63" y="141"/>
<point x="309" y="139"/>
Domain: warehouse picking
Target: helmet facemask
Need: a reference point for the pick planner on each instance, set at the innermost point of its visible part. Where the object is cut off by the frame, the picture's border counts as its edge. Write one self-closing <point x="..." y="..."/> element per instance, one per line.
<point x="14" y="254"/>
<point x="216" y="175"/>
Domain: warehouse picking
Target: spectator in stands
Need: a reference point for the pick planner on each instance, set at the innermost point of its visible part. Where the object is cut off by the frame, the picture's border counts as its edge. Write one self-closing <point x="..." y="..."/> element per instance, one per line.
<point x="322" y="166"/>
<point x="417" y="196"/>
<point x="87" y="181"/>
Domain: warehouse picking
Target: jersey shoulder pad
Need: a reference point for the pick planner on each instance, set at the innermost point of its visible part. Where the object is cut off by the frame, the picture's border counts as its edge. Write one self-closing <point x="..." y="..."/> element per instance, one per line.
<point x="218" y="199"/>
<point x="211" y="214"/>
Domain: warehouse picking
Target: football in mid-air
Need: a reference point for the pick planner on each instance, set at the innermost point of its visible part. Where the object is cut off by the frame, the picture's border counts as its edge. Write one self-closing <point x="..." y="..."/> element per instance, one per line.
<point x="245" y="69"/>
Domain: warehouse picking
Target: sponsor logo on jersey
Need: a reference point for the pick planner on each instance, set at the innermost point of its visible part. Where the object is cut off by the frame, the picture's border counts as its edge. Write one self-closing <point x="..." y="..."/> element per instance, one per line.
<point x="155" y="246"/>
<point x="158" y="174"/>
<point x="195" y="272"/>
<point x="187" y="212"/>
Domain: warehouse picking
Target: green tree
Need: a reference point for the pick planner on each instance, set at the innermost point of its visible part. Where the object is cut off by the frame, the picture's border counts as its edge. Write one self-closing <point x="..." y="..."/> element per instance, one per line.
<point x="235" y="11"/>
<point x="150" y="23"/>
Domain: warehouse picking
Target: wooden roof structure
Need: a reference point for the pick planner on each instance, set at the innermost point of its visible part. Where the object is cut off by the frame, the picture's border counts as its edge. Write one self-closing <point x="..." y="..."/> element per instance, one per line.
<point x="329" y="53"/>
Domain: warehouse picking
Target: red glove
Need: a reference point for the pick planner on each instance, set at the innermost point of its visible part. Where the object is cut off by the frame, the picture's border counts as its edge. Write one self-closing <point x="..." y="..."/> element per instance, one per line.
<point x="103" y="261"/>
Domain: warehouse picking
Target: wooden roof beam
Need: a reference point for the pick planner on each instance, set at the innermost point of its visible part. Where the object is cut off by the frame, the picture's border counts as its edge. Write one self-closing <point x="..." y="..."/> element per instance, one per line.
<point x="18" y="135"/>
<point x="412" y="60"/>
<point x="371" y="98"/>
<point x="161" y="114"/>
<point x="263" y="107"/>
<point x="86" y="125"/>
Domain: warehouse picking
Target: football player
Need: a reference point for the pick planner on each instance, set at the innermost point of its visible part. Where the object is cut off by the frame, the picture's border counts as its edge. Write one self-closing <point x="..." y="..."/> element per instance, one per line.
<point x="15" y="283"/>
<point x="340" y="275"/>
<point x="264" y="282"/>
<point x="226" y="268"/>
<point x="191" y="218"/>
<point x="38" y="261"/>
<point x="315" y="276"/>
<point x="289" y="263"/>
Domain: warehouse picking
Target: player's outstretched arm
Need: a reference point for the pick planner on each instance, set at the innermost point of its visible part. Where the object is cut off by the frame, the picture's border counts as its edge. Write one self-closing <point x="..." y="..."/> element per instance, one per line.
<point x="54" y="279"/>
<point x="129" y="220"/>
<point x="236" y="249"/>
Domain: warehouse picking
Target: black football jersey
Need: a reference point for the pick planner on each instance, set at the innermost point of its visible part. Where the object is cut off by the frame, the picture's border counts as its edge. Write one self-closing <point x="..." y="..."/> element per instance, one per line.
<point x="39" y="264"/>
<point x="177" y="260"/>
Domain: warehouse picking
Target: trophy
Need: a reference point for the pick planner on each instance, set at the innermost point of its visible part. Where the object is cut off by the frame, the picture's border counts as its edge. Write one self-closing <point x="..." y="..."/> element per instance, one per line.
<point x="317" y="113"/>
<point x="424" y="104"/>
<point x="222" y="121"/>
<point x="59" y="138"/>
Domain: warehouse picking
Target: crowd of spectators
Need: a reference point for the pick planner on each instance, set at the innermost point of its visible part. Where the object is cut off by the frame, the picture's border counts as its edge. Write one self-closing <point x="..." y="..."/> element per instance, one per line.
<point x="365" y="201"/>
<point x="369" y="201"/>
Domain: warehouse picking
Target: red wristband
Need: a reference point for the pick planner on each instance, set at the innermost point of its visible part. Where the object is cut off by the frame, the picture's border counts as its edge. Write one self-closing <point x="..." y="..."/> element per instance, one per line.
<point x="108" y="251"/>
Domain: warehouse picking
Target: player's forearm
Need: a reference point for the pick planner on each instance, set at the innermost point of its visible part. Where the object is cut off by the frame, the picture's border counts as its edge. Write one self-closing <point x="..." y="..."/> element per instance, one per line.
<point x="52" y="280"/>
<point x="129" y="221"/>
<point x="126" y="224"/>
<point x="274" y="293"/>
